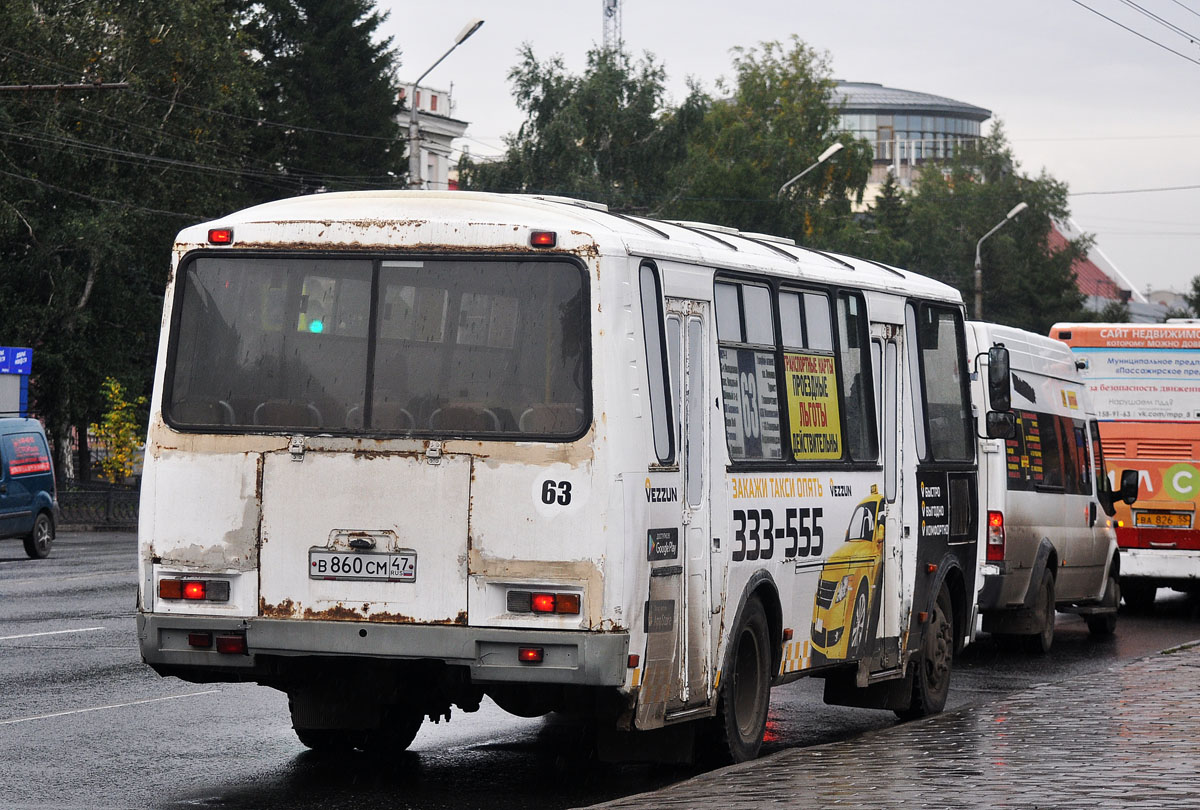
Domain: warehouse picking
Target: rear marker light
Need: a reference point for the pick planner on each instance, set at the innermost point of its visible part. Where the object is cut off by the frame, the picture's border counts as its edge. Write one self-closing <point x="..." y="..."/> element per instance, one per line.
<point x="203" y="640"/>
<point x="567" y="603"/>
<point x="634" y="660"/>
<point x="530" y="655"/>
<point x="543" y="239"/>
<point x="231" y="645"/>
<point x="220" y="236"/>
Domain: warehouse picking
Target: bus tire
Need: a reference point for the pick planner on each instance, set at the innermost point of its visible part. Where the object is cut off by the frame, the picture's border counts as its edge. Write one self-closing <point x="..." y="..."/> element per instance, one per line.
<point x="324" y="740"/>
<point x="1102" y="625"/>
<point x="1039" y="643"/>
<point x="745" y="692"/>
<point x="41" y="538"/>
<point x="931" y="666"/>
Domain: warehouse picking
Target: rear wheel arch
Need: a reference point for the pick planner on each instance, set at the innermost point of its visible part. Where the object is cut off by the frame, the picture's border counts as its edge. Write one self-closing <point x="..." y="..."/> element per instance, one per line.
<point x="761" y="586"/>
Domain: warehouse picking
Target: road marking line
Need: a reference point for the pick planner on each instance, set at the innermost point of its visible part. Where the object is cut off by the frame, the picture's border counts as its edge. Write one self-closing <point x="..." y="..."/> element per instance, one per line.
<point x="51" y="633"/>
<point x="111" y="706"/>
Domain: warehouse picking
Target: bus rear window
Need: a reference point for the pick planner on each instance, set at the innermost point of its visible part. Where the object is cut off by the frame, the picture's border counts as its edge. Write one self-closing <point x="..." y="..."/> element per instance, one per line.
<point x="429" y="346"/>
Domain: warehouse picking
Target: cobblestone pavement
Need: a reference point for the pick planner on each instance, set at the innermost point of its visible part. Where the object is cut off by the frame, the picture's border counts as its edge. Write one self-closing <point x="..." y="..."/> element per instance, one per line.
<point x="1128" y="737"/>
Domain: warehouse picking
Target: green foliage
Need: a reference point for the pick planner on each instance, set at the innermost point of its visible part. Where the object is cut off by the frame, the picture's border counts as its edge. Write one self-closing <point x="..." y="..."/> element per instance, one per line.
<point x="1025" y="283"/>
<point x="604" y="136"/>
<point x="119" y="431"/>
<point x="94" y="185"/>
<point x="324" y="75"/>
<point x="775" y="122"/>
<point x="1193" y="296"/>
<point x="1114" y="312"/>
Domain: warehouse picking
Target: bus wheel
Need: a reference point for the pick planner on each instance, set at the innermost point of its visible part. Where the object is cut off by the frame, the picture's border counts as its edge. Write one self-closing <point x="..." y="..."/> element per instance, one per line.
<point x="396" y="734"/>
<point x="1139" y="595"/>
<point x="745" y="691"/>
<point x="324" y="740"/>
<point x="1103" y="624"/>
<point x="1039" y="643"/>
<point x="38" y="541"/>
<point x="931" y="673"/>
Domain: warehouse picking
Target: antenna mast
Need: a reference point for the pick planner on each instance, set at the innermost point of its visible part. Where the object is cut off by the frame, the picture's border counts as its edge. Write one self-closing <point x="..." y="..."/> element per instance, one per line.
<point x="612" y="25"/>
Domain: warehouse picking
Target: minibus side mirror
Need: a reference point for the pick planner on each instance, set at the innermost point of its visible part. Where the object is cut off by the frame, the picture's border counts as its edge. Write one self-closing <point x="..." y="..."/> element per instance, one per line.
<point x="1001" y="424"/>
<point x="999" y="379"/>
<point x="1129" y="487"/>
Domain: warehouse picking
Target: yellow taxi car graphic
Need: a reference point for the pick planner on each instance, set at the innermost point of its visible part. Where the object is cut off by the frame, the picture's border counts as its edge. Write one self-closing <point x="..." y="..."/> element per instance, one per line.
<point x="846" y="588"/>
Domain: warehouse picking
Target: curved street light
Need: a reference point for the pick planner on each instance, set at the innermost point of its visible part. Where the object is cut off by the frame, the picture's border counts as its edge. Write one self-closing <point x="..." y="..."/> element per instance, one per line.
<point x="414" y="130"/>
<point x="824" y="156"/>
<point x="1016" y="209"/>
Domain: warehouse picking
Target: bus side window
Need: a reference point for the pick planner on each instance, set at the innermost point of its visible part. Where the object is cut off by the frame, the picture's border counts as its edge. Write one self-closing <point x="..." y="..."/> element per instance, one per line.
<point x="860" y="438"/>
<point x="749" y="388"/>
<point x="656" y="365"/>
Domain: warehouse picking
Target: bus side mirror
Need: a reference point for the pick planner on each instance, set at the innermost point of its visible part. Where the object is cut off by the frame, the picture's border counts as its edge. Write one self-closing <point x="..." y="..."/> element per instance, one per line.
<point x="1129" y="487"/>
<point x="1001" y="424"/>
<point x="999" y="380"/>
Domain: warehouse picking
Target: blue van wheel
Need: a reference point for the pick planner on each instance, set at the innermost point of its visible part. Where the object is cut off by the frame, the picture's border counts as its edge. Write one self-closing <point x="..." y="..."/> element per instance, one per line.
<point x="38" y="542"/>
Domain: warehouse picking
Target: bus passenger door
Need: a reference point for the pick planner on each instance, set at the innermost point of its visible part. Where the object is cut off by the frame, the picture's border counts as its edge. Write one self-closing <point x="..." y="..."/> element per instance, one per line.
<point x="687" y="343"/>
<point x="892" y="613"/>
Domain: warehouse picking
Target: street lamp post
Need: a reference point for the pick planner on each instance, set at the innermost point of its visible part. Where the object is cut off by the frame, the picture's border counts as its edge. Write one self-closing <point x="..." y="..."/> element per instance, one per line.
<point x="414" y="129"/>
<point x="824" y="156"/>
<point x="1018" y="208"/>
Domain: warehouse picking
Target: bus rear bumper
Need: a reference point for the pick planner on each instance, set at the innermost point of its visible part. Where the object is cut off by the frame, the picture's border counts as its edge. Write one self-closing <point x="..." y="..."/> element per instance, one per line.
<point x="568" y="657"/>
<point x="1160" y="564"/>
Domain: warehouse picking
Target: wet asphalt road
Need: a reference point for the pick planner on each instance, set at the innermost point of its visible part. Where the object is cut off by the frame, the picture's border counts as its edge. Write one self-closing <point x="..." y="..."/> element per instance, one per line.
<point x="84" y="724"/>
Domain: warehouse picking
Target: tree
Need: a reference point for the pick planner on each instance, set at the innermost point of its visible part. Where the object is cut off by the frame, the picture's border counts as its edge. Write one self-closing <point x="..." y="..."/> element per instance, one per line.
<point x="1193" y="296"/>
<point x="775" y="121"/>
<point x="120" y="430"/>
<point x="329" y="100"/>
<point x="94" y="185"/>
<point x="606" y="135"/>
<point x="1025" y="283"/>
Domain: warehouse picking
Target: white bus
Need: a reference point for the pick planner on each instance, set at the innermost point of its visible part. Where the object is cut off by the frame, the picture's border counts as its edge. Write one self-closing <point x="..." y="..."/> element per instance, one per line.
<point x="408" y="449"/>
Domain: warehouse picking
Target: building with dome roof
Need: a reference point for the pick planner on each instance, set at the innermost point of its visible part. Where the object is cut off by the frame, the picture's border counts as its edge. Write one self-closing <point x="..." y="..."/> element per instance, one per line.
<point x="905" y="127"/>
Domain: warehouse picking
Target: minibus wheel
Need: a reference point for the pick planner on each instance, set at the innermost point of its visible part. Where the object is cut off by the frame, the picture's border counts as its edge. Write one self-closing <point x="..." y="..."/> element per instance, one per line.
<point x="38" y="541"/>
<point x="745" y="692"/>
<point x="1104" y="624"/>
<point x="931" y="666"/>
<point x="1039" y="643"/>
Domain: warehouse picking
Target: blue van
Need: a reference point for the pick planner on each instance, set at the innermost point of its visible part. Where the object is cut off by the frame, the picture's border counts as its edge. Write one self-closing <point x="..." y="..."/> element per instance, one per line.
<point x="28" y="499"/>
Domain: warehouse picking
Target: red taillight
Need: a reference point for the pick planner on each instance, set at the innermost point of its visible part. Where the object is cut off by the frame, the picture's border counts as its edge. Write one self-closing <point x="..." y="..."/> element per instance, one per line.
<point x="995" y="536"/>
<point x="543" y="603"/>
<point x="530" y="655"/>
<point x="543" y="238"/>
<point x="211" y="590"/>
<point x="203" y="640"/>
<point x="220" y="236"/>
<point x="232" y="645"/>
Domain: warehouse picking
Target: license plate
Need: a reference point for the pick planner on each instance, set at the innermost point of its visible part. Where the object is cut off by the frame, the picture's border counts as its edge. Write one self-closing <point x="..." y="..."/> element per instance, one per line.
<point x="1171" y="520"/>
<point x="396" y="566"/>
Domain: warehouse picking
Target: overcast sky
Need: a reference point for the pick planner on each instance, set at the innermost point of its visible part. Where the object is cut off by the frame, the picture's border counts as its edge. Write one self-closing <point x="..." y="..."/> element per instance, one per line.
<point x="1092" y="104"/>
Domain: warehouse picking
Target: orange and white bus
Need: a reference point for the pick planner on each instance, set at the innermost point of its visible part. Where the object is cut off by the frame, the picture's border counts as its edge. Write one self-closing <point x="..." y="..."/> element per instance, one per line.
<point x="1145" y="385"/>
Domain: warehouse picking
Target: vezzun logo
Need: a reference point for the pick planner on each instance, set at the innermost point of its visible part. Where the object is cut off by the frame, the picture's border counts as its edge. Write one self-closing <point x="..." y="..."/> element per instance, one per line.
<point x="1181" y="481"/>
